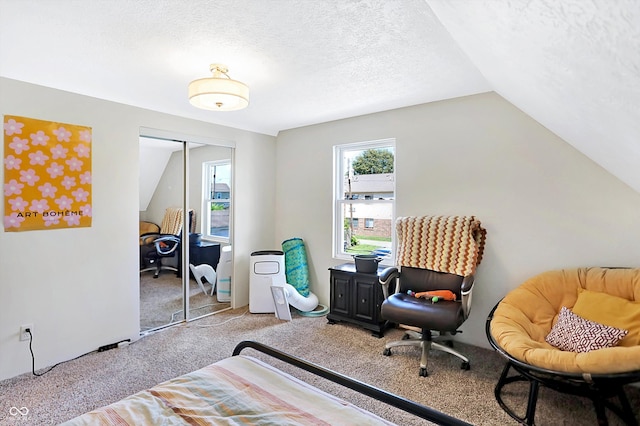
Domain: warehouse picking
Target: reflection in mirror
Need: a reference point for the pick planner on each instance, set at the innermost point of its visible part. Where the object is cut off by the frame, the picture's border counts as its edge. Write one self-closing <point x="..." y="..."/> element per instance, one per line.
<point x="210" y="190"/>
<point x="161" y="195"/>
<point x="209" y="201"/>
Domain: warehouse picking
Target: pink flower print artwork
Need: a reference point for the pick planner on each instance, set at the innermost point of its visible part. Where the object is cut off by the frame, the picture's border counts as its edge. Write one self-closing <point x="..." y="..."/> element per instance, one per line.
<point x="80" y="194"/>
<point x="18" y="145"/>
<point x="47" y="190"/>
<point x="72" y="220"/>
<point x="13" y="187"/>
<point x="59" y="152"/>
<point x="11" y="162"/>
<point x="62" y="134"/>
<point x="68" y="182"/>
<point x="86" y="210"/>
<point x="12" y="127"/>
<point x="18" y="204"/>
<point x="74" y="164"/>
<point x="37" y="157"/>
<point x="82" y="150"/>
<point x="39" y="138"/>
<point x="51" y="220"/>
<point x="29" y="177"/>
<point x="13" y="221"/>
<point x="55" y="170"/>
<point x="39" y="206"/>
<point x="64" y="202"/>
<point x="47" y="175"/>
<point x="85" y="178"/>
<point x="85" y="135"/>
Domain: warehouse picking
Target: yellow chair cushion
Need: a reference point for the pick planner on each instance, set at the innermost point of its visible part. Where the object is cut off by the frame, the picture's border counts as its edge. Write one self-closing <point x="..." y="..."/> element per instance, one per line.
<point x="610" y="310"/>
<point x="147" y="227"/>
<point x="527" y="313"/>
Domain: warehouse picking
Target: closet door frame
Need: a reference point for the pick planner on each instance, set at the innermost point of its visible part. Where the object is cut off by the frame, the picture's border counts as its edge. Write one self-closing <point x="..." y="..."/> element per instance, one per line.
<point x="185" y="140"/>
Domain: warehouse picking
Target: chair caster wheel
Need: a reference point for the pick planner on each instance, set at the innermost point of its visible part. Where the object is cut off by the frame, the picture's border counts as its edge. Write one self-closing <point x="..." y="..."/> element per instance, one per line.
<point x="465" y="366"/>
<point x="386" y="352"/>
<point x="423" y="372"/>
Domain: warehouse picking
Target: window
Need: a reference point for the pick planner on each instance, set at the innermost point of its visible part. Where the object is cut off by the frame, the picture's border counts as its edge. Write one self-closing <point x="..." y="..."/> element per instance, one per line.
<point x="364" y="192"/>
<point x="216" y="199"/>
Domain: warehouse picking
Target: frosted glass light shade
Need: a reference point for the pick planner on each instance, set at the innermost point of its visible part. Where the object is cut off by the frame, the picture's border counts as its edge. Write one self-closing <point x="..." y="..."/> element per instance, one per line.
<point x="218" y="93"/>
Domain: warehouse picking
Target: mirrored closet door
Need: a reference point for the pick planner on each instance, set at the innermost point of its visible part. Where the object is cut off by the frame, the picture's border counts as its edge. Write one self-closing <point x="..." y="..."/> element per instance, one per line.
<point x="186" y="229"/>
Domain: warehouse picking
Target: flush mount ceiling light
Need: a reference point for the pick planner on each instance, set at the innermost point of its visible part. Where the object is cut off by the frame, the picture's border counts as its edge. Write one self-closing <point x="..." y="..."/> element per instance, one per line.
<point x="219" y="92"/>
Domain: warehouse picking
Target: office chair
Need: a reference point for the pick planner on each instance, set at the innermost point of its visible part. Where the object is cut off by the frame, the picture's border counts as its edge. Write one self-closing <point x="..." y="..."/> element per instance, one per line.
<point x="156" y="246"/>
<point x="148" y="231"/>
<point x="434" y="254"/>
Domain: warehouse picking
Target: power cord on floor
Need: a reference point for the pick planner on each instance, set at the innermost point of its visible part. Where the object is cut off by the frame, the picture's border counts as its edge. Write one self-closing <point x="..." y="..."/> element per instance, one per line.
<point x="33" y="357"/>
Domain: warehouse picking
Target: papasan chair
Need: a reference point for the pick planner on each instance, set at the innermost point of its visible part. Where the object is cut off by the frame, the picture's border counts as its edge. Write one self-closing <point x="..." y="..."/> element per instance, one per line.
<point x="576" y="331"/>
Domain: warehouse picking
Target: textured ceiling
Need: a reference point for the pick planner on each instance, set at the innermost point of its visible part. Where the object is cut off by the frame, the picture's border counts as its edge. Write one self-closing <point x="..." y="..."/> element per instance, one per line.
<point x="305" y="61"/>
<point x="573" y="65"/>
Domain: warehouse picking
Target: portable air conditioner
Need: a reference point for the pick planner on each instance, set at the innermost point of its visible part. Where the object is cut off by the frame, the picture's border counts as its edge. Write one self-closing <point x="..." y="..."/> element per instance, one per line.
<point x="267" y="266"/>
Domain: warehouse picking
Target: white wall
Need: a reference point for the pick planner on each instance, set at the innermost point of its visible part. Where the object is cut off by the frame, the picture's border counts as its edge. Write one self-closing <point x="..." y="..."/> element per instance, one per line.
<point x="168" y="191"/>
<point x="152" y="161"/>
<point x="79" y="287"/>
<point x="544" y="204"/>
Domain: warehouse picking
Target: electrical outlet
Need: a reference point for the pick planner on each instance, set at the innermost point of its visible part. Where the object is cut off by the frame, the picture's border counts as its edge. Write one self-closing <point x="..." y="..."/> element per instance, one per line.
<point x="24" y="334"/>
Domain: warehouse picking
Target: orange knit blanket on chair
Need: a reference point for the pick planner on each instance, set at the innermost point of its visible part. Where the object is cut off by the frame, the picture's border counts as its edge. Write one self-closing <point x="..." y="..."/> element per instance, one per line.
<point x="452" y="244"/>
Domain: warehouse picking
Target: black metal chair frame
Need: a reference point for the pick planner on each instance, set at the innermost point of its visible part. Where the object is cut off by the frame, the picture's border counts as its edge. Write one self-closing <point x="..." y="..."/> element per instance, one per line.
<point x="599" y="388"/>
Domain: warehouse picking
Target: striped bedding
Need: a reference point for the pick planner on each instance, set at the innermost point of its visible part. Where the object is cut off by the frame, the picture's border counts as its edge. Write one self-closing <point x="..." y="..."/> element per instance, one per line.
<point x="239" y="390"/>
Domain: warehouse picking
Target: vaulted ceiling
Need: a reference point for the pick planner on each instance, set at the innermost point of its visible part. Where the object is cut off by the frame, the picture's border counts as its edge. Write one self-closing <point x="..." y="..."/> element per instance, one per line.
<point x="572" y="65"/>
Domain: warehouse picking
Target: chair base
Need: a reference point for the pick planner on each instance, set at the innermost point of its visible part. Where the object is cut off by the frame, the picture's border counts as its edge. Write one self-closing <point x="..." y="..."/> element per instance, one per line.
<point x="426" y="341"/>
<point x="599" y="393"/>
<point x="157" y="270"/>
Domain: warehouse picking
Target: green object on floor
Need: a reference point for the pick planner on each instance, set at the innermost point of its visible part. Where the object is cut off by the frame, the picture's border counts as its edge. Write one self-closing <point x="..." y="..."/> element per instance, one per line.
<point x="296" y="267"/>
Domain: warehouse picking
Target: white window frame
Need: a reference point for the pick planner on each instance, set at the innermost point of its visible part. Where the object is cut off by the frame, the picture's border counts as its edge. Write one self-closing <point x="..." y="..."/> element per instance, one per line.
<point x="339" y="200"/>
<point x="207" y="166"/>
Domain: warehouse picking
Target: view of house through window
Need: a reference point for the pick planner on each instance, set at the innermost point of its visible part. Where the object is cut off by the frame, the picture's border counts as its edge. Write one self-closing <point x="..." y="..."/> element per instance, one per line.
<point x="365" y="198"/>
<point x="217" y="198"/>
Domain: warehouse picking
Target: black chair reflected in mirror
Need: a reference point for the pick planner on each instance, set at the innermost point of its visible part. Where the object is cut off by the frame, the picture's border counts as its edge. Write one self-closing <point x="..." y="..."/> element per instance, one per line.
<point x="434" y="253"/>
<point x="159" y="250"/>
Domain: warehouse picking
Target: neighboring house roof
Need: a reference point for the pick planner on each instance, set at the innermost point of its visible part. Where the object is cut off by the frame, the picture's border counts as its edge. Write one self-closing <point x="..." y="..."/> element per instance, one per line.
<point x="221" y="187"/>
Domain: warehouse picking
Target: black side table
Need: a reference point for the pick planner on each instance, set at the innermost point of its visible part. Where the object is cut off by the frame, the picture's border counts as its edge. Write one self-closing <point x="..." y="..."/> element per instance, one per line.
<point x="356" y="298"/>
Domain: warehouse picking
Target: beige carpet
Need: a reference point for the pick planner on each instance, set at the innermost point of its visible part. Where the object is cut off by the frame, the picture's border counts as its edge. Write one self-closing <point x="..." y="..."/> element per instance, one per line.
<point x="161" y="300"/>
<point x="98" y="379"/>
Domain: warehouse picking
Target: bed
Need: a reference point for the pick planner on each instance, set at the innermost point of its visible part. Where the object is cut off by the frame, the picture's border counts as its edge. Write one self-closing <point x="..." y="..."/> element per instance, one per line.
<point x="242" y="389"/>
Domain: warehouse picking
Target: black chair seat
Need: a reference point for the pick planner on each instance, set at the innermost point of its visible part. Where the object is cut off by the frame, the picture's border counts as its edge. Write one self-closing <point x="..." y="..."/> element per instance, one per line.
<point x="443" y="315"/>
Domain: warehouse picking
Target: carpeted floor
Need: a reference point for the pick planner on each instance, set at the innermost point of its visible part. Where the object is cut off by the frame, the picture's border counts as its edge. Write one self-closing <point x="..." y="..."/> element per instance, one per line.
<point x="161" y="300"/>
<point x="98" y="379"/>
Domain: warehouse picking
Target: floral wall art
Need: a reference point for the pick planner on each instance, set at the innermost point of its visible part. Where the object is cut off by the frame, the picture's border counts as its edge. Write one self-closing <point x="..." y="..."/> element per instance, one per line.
<point x="47" y="175"/>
